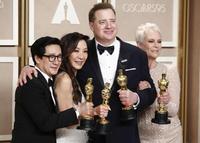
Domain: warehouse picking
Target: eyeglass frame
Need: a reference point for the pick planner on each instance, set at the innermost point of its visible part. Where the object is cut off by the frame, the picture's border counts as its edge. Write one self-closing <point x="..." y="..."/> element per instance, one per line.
<point x="52" y="58"/>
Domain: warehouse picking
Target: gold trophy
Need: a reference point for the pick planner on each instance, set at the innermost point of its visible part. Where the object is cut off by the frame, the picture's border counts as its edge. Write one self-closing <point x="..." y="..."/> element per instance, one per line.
<point x="87" y="121"/>
<point x="161" y="114"/>
<point x="103" y="125"/>
<point x="126" y="111"/>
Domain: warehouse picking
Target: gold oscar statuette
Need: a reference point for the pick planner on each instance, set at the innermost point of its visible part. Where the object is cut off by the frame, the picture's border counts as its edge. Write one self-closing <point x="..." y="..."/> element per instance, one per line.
<point x="127" y="111"/>
<point x="161" y="114"/>
<point x="87" y="121"/>
<point x="103" y="125"/>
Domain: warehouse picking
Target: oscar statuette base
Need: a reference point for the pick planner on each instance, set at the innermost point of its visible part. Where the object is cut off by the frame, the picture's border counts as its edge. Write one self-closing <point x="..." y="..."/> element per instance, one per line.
<point x="161" y="118"/>
<point x="86" y="124"/>
<point x="127" y="114"/>
<point x="102" y="128"/>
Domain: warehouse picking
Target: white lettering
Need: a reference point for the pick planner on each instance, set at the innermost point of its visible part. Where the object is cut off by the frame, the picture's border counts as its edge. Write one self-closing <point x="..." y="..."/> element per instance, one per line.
<point x="144" y="8"/>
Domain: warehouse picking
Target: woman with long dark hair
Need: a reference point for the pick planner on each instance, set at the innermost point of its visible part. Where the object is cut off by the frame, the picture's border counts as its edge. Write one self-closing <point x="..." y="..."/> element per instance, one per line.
<point x="67" y="90"/>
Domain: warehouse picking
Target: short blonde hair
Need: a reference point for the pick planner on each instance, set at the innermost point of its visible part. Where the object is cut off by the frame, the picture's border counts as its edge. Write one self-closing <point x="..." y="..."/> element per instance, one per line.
<point x="143" y="29"/>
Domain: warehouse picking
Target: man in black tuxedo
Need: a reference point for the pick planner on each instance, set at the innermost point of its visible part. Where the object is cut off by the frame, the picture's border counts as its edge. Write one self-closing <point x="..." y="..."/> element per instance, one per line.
<point x="106" y="54"/>
<point x="36" y="117"/>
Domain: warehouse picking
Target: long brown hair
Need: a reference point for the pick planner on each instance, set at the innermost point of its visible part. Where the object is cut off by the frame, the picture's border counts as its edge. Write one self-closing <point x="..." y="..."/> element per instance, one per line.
<point x="69" y="43"/>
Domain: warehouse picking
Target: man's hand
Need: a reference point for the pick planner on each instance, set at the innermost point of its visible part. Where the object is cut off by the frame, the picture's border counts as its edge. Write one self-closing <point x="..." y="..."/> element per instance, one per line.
<point x="127" y="97"/>
<point x="102" y="110"/>
<point x="26" y="71"/>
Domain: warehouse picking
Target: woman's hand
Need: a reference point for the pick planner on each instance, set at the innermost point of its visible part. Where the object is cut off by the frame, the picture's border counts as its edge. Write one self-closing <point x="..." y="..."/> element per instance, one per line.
<point x="144" y="85"/>
<point x="85" y="109"/>
<point x="26" y="71"/>
<point x="164" y="98"/>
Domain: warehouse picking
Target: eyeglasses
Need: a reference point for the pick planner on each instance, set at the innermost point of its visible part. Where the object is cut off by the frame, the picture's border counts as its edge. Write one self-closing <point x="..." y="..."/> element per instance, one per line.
<point x="52" y="58"/>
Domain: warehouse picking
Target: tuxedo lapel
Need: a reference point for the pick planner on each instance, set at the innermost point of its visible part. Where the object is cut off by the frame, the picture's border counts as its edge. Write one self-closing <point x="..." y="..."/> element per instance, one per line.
<point x="46" y="86"/>
<point x="94" y="62"/>
<point x="121" y="64"/>
<point x="43" y="80"/>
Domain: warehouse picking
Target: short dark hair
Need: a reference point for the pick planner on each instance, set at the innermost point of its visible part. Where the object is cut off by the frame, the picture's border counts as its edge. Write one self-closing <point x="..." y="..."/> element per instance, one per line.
<point x="38" y="47"/>
<point x="99" y="6"/>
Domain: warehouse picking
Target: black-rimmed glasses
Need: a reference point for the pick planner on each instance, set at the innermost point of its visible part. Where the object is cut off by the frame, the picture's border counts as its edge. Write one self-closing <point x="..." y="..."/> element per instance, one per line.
<point x="52" y="58"/>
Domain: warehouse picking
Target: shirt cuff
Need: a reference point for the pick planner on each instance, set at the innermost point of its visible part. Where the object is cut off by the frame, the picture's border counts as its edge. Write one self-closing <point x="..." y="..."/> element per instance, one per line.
<point x="135" y="105"/>
<point x="77" y="112"/>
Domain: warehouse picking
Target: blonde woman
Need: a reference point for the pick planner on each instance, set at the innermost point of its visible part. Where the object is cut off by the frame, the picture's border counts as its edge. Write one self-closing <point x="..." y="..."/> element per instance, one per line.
<point x="148" y="38"/>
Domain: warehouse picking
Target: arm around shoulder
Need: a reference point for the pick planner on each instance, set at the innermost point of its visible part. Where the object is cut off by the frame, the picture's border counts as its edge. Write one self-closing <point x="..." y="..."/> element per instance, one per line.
<point x="27" y="71"/>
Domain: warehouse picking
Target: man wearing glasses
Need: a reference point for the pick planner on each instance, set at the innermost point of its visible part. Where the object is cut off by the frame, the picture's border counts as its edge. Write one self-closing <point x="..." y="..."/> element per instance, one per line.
<point x="36" y="117"/>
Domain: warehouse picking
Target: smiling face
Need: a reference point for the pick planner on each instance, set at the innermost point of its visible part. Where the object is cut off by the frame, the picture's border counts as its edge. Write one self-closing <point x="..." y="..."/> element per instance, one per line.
<point x="104" y="26"/>
<point x="50" y="68"/>
<point x="78" y="57"/>
<point x="151" y="44"/>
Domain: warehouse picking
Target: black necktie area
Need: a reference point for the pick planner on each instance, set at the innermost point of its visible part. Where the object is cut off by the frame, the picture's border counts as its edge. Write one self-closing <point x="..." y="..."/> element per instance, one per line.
<point x="101" y="49"/>
<point x="50" y="82"/>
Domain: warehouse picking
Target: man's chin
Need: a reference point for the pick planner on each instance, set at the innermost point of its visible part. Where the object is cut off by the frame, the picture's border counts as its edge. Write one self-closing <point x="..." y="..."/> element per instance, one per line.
<point x="54" y="72"/>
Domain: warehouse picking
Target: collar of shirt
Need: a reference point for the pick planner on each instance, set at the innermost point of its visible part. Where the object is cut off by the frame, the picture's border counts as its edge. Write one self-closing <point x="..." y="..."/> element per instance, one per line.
<point x="116" y="45"/>
<point x="113" y="44"/>
<point x="44" y="74"/>
<point x="108" y="63"/>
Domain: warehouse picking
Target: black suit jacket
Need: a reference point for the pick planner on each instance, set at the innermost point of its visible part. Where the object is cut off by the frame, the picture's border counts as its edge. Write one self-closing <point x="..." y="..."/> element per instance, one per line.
<point x="134" y="61"/>
<point x="36" y="118"/>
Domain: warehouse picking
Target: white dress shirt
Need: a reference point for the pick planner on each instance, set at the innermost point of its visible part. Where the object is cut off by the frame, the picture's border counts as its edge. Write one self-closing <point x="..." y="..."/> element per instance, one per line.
<point x="108" y="63"/>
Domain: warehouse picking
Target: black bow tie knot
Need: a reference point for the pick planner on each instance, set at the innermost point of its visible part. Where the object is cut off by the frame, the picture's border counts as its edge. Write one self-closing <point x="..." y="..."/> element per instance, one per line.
<point x="101" y="49"/>
<point x="50" y="82"/>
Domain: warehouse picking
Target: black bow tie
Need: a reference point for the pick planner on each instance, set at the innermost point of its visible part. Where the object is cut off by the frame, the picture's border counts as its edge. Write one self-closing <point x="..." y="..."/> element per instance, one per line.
<point x="50" y="82"/>
<point x="101" y="49"/>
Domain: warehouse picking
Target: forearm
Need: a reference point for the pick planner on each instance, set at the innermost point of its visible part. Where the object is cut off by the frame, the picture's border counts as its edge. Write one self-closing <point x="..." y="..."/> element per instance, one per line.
<point x="63" y="104"/>
<point x="147" y="97"/>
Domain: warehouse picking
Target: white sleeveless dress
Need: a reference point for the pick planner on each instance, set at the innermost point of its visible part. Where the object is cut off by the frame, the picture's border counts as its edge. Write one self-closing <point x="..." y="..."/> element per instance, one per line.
<point x="71" y="134"/>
